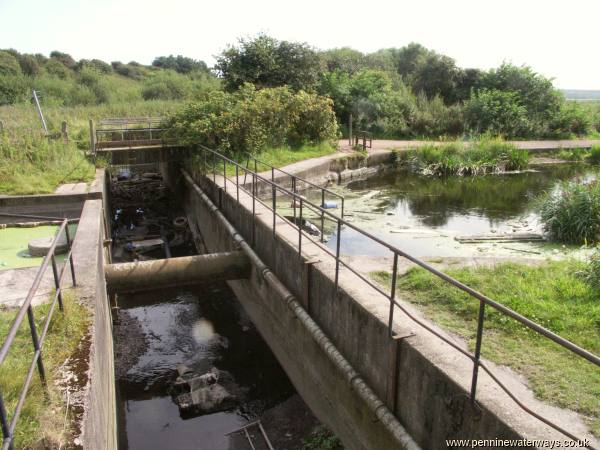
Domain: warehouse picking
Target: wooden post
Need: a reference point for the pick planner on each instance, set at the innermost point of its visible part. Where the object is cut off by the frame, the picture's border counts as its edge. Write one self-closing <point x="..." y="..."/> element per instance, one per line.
<point x="350" y="130"/>
<point x="1" y="127"/>
<point x="64" y="132"/>
<point x="92" y="137"/>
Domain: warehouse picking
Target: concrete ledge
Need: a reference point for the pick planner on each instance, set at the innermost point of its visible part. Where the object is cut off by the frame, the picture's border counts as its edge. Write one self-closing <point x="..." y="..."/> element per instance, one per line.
<point x="431" y="398"/>
<point x="99" y="430"/>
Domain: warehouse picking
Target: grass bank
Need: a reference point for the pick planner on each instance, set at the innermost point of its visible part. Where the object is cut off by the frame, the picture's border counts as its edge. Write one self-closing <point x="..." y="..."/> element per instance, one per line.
<point x="552" y="294"/>
<point x="460" y="158"/>
<point x="44" y="422"/>
<point x="276" y="157"/>
<point x="34" y="165"/>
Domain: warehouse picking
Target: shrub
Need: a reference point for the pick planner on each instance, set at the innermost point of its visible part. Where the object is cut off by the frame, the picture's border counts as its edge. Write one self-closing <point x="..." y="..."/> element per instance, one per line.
<point x="497" y="112"/>
<point x="54" y="67"/>
<point x="571" y="213"/>
<point x="9" y="64"/>
<point x="167" y="85"/>
<point x="13" y="89"/>
<point x="29" y="65"/>
<point x="251" y="120"/>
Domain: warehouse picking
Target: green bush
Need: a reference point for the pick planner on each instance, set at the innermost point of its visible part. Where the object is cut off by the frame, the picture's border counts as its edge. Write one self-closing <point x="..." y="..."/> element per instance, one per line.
<point x="571" y="214"/>
<point x="252" y="120"/>
<point x="13" y="89"/>
<point x="167" y="85"/>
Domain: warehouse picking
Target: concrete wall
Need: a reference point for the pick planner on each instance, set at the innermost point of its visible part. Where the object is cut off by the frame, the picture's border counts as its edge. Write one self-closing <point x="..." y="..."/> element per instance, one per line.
<point x="431" y="399"/>
<point x="99" y="430"/>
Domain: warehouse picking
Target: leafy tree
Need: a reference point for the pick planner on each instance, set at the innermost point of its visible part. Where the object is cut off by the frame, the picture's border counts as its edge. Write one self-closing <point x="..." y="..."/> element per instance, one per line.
<point x="409" y="58"/>
<point x="535" y="92"/>
<point x="436" y="75"/>
<point x="180" y="64"/>
<point x="29" y="65"/>
<point x="343" y="59"/>
<point x="267" y="62"/>
<point x="466" y="80"/>
<point x="9" y="64"/>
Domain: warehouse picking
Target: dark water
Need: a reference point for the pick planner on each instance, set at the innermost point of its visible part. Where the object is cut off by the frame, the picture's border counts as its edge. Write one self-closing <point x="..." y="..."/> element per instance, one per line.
<point x="453" y="205"/>
<point x="201" y="328"/>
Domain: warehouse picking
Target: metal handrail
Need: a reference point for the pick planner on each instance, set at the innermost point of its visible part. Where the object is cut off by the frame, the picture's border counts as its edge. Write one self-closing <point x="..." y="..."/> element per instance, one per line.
<point x="483" y="300"/>
<point x="8" y="427"/>
<point x="295" y="180"/>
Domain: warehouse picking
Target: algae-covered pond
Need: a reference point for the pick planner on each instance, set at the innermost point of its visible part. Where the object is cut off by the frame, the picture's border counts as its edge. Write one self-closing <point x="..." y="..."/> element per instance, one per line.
<point x="423" y="215"/>
<point x="14" y="253"/>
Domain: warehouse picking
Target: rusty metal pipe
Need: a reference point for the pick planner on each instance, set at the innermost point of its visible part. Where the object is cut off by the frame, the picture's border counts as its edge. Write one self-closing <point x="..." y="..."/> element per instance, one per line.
<point x="182" y="271"/>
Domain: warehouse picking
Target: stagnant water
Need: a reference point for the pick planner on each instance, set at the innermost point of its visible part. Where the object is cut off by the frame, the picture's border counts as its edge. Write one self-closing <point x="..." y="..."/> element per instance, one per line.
<point x="203" y="328"/>
<point x="423" y="214"/>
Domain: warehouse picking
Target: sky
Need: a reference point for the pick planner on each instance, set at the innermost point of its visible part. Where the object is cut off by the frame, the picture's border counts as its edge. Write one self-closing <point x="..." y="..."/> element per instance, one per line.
<point x="558" y="39"/>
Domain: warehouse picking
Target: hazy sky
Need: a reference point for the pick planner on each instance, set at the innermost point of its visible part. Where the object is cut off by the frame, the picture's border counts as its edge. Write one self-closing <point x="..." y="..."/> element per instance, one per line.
<point x="557" y="38"/>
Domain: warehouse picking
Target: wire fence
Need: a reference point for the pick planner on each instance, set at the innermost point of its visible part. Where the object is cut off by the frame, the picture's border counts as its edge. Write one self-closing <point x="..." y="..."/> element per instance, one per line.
<point x="7" y="424"/>
<point x="214" y="164"/>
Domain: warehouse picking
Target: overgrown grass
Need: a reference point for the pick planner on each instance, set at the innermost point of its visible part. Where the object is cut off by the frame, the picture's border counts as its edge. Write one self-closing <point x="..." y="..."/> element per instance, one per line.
<point x="552" y="294"/>
<point x="458" y="158"/>
<point x="44" y="422"/>
<point x="34" y="165"/>
<point x="30" y="164"/>
<point x="571" y="213"/>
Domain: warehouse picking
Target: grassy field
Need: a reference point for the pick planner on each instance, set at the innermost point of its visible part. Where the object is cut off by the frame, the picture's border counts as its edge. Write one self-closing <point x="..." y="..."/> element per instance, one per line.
<point x="552" y="295"/>
<point x="44" y="422"/>
<point x="32" y="164"/>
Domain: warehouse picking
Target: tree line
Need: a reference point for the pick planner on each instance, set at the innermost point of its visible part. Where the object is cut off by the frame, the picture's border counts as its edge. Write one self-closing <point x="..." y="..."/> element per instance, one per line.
<point x="405" y="92"/>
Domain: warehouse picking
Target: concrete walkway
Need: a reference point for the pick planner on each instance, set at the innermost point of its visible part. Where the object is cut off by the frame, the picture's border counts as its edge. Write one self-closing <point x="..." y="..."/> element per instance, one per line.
<point x="383" y="144"/>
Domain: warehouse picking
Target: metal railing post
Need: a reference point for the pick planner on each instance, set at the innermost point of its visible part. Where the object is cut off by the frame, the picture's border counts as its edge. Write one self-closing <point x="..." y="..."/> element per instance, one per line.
<point x="237" y="184"/>
<point x="72" y="264"/>
<point x="337" y="253"/>
<point x="224" y="174"/>
<point x="342" y="207"/>
<point x="36" y="345"/>
<point x="393" y="296"/>
<point x="57" y="282"/>
<point x="273" y="194"/>
<point x="4" y="424"/>
<point x="253" y="209"/>
<point x="322" y="215"/>
<point x="477" y="356"/>
<point x="294" y="197"/>
<point x="205" y="167"/>
<point x="214" y="168"/>
<point x="300" y="230"/>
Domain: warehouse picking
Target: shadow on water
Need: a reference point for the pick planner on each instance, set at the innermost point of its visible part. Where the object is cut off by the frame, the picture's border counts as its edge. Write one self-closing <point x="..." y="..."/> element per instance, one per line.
<point x="201" y="328"/>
